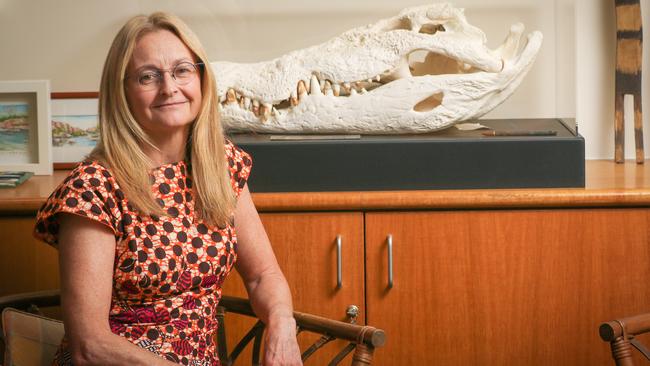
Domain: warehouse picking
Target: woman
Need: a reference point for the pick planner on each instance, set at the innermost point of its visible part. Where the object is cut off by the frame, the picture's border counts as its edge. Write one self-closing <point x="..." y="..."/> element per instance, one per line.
<point x="151" y="223"/>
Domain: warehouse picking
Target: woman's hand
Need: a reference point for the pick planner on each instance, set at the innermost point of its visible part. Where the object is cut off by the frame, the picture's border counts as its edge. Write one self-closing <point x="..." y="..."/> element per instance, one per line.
<point x="281" y="346"/>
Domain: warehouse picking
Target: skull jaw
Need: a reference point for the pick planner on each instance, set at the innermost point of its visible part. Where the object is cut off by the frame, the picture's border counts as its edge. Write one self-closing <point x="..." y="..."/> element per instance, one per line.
<point x="391" y="108"/>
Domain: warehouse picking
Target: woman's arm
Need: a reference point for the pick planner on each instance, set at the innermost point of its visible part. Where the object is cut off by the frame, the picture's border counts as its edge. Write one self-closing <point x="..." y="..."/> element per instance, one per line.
<point x="266" y="285"/>
<point x="86" y="255"/>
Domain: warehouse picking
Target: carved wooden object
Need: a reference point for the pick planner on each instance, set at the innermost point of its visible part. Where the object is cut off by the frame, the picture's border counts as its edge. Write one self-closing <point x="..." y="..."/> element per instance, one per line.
<point x="629" y="44"/>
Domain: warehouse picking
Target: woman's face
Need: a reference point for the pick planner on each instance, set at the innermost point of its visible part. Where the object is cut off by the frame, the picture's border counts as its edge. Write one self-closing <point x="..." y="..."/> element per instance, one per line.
<point x="166" y="106"/>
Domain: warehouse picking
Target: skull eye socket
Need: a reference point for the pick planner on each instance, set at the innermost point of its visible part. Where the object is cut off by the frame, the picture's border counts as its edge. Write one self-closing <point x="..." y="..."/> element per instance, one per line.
<point x="432" y="28"/>
<point x="429" y="103"/>
<point x="422" y="62"/>
<point x="397" y="24"/>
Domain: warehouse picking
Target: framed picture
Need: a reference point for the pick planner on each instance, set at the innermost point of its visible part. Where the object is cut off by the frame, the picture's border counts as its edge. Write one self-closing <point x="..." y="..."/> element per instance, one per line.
<point x="25" y="134"/>
<point x="74" y="127"/>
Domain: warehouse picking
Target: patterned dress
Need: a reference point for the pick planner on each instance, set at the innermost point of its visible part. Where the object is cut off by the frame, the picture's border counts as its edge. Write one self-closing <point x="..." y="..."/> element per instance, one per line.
<point x="168" y="270"/>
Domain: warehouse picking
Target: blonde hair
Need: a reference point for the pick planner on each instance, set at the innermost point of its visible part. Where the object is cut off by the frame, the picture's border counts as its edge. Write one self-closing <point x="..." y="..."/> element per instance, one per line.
<point x="122" y="138"/>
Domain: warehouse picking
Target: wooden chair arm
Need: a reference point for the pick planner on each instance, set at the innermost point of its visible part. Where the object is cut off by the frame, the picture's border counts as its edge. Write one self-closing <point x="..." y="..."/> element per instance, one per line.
<point x="634" y="325"/>
<point x="350" y="332"/>
<point x="25" y="300"/>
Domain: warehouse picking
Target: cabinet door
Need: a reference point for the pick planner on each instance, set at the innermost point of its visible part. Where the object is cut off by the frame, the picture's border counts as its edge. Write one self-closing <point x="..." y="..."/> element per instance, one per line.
<point x="26" y="264"/>
<point x="306" y="248"/>
<point x="506" y="287"/>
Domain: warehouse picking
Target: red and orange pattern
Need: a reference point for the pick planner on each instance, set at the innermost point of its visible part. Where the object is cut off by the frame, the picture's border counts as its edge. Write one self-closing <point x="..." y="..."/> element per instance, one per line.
<point x="168" y="270"/>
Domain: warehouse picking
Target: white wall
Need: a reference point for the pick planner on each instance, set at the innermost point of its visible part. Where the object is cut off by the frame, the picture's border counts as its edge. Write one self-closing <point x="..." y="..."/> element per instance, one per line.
<point x="66" y="41"/>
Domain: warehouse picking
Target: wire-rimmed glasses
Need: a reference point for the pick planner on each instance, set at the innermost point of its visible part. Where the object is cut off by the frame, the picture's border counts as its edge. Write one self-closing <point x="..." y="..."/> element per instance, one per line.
<point x="150" y="79"/>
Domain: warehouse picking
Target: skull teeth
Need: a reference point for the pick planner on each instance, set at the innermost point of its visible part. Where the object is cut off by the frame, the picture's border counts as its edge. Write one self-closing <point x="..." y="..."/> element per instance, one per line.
<point x="265" y="111"/>
<point x="293" y="99"/>
<point x="327" y="88"/>
<point x="256" y="108"/>
<point x="301" y="89"/>
<point x="314" y="86"/>
<point x="231" y="96"/>
<point x="318" y="86"/>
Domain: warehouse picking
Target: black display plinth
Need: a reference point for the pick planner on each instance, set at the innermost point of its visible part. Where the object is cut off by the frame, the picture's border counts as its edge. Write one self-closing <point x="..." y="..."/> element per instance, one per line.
<point x="449" y="159"/>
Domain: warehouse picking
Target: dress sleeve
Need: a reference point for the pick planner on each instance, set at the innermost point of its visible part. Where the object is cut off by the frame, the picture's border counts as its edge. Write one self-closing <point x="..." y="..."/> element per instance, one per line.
<point x="89" y="191"/>
<point x="239" y="164"/>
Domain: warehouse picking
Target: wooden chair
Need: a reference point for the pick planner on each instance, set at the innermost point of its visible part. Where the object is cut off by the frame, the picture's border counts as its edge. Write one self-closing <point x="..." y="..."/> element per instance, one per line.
<point x="361" y="339"/>
<point x="621" y="335"/>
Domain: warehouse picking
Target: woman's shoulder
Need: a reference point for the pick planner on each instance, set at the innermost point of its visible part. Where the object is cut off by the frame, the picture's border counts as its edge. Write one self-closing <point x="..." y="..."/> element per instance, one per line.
<point x="235" y="154"/>
<point x="89" y="191"/>
<point x="230" y="148"/>
<point x="239" y="164"/>
<point x="91" y="167"/>
<point x="92" y="175"/>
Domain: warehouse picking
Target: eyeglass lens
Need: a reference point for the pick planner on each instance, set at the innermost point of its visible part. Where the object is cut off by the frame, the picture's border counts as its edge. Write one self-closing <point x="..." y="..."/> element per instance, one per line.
<point x="182" y="73"/>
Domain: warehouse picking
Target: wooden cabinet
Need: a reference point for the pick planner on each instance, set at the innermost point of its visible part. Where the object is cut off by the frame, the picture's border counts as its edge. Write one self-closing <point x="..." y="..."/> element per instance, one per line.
<point x="26" y="264"/>
<point x="481" y="277"/>
<point x="470" y="287"/>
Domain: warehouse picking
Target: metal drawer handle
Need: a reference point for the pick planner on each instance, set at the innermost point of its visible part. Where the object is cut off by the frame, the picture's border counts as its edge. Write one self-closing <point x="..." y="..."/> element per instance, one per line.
<point x="390" y="260"/>
<point x="339" y="270"/>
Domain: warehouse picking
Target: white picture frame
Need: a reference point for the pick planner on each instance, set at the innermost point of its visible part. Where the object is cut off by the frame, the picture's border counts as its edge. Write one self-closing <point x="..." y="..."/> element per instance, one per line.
<point x="25" y="126"/>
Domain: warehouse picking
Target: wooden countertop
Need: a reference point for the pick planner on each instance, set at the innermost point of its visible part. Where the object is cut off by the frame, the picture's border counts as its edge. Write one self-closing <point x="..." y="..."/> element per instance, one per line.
<point x="607" y="185"/>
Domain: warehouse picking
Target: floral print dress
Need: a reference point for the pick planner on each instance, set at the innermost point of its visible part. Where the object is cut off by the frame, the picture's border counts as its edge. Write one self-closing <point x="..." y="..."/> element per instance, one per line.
<point x="168" y="270"/>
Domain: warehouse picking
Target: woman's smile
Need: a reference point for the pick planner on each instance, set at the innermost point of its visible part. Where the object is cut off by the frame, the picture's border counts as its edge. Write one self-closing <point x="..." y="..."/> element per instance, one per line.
<point x="170" y="105"/>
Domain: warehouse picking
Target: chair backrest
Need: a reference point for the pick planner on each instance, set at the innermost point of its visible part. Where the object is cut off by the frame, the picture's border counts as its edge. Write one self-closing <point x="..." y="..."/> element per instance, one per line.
<point x="30" y="339"/>
<point x="621" y="334"/>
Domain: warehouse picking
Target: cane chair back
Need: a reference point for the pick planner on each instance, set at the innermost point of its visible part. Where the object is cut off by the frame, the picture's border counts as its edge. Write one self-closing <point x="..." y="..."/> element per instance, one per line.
<point x="29" y="338"/>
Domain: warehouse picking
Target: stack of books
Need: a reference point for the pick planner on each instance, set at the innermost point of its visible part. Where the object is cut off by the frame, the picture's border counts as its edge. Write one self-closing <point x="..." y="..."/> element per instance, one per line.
<point x="13" y="179"/>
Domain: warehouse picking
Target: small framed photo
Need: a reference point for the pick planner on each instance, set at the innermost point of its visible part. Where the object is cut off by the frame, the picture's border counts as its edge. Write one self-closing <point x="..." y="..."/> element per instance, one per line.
<point x="25" y="134"/>
<point x="74" y="127"/>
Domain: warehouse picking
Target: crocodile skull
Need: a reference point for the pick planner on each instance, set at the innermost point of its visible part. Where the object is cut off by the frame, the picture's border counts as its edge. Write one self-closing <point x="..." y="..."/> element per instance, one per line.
<point x="367" y="81"/>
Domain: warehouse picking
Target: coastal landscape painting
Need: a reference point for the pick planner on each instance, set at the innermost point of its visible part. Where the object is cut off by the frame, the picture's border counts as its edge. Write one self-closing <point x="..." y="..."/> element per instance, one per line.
<point x="74" y="128"/>
<point x="14" y="127"/>
<point x="25" y="141"/>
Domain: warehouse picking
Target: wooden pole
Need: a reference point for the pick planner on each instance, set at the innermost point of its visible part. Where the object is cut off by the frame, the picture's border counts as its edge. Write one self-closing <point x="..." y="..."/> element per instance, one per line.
<point x="629" y="45"/>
